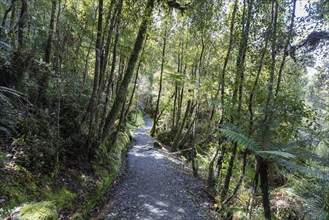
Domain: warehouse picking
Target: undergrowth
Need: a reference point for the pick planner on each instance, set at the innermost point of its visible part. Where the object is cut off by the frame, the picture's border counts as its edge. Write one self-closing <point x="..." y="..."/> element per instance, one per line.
<point x="73" y="191"/>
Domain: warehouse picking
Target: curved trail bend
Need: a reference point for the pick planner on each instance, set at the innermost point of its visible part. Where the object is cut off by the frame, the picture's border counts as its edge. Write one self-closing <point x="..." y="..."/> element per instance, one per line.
<point x="152" y="188"/>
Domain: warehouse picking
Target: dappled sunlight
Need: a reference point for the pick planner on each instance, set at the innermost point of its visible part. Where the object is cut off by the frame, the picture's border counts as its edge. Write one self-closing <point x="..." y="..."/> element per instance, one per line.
<point x="152" y="189"/>
<point x="155" y="210"/>
<point x="152" y="154"/>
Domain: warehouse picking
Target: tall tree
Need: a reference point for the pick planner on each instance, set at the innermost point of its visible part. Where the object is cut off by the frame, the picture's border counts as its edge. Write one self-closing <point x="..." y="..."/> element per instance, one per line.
<point x="155" y="119"/>
<point x="96" y="87"/>
<point x="21" y="25"/>
<point x="112" y="116"/>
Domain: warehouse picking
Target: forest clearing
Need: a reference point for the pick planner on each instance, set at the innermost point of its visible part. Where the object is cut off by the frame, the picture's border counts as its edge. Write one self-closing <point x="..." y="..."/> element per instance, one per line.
<point x="164" y="109"/>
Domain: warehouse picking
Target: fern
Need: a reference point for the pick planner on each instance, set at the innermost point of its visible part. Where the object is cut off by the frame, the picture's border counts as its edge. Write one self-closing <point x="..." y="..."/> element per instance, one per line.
<point x="282" y="154"/>
<point x="5" y="91"/>
<point x="243" y="140"/>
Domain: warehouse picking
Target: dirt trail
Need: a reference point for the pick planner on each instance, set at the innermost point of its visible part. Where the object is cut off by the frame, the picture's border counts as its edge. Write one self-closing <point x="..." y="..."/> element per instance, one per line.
<point x="152" y="188"/>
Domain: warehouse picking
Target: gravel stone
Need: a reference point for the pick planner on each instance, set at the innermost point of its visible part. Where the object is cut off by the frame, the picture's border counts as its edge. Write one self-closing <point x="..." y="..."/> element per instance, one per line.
<point x="152" y="187"/>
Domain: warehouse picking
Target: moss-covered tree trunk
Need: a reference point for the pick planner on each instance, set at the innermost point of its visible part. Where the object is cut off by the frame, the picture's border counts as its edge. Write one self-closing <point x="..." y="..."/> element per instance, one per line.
<point x="160" y="83"/>
<point x="94" y="96"/>
<point x="43" y="84"/>
<point x="21" y="25"/>
<point x="110" y="119"/>
<point x="181" y="127"/>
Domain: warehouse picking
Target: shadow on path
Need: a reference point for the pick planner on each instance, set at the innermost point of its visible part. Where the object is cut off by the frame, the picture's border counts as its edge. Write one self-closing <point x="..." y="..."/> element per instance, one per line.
<point x="152" y="188"/>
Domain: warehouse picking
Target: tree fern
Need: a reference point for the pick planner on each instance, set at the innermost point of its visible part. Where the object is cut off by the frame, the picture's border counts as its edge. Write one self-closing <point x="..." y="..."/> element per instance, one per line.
<point x="242" y="139"/>
<point x="249" y="143"/>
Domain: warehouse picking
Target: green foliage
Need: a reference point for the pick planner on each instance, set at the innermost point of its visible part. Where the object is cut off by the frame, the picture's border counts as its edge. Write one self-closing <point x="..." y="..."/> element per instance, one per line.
<point x="165" y="137"/>
<point x="136" y="119"/>
<point x="62" y="198"/>
<point x="39" y="211"/>
<point x="47" y="133"/>
<point x="3" y="158"/>
<point x="242" y="139"/>
<point x="17" y="186"/>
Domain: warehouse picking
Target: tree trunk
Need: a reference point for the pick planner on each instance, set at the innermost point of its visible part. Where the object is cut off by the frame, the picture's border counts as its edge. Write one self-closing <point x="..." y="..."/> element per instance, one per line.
<point x="227" y="57"/>
<point x="210" y="180"/>
<point x="43" y="84"/>
<point x="265" y="188"/>
<point x="229" y="171"/>
<point x="252" y="93"/>
<point x="21" y="25"/>
<point x="181" y="142"/>
<point x="220" y="161"/>
<point x="110" y="78"/>
<point x="111" y="18"/>
<point x="173" y="126"/>
<point x="12" y="23"/>
<point x="50" y="31"/>
<point x="4" y="20"/>
<point x="88" y="53"/>
<point x="129" y="71"/>
<point x="94" y="100"/>
<point x="160" y="83"/>
<point x="285" y="51"/>
<point x="253" y="191"/>
<point x="244" y="163"/>
<point x="181" y="127"/>
<point x="263" y="172"/>
<point x="273" y="57"/>
<point x="240" y="68"/>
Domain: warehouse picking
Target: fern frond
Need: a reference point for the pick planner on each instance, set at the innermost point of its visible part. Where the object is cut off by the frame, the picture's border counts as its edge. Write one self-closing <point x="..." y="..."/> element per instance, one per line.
<point x="293" y="144"/>
<point x="4" y="90"/>
<point x="13" y="92"/>
<point x="303" y="170"/>
<point x="282" y="154"/>
<point x="240" y="138"/>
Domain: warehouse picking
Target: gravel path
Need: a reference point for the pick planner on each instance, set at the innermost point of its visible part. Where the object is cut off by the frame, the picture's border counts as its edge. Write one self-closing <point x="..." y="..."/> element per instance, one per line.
<point x="152" y="187"/>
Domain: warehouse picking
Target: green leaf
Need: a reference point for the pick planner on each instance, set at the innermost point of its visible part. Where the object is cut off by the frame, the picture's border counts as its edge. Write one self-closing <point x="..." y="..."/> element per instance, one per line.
<point x="277" y="153"/>
<point x="241" y="138"/>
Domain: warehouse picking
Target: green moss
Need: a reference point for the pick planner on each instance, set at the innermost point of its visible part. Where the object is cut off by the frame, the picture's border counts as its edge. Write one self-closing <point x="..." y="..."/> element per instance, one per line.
<point x="165" y="137"/>
<point x="136" y="119"/>
<point x="107" y="166"/>
<point x="62" y="198"/>
<point x="17" y="186"/>
<point x="77" y="216"/>
<point x="39" y="211"/>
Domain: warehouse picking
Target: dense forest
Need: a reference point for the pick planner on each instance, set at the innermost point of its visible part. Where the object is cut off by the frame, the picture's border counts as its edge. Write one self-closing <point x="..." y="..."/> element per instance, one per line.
<point x="239" y="89"/>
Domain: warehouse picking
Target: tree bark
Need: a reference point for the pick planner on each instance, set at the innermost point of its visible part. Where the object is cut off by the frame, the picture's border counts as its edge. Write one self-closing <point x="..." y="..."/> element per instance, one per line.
<point x="181" y="127"/>
<point x="265" y="188"/>
<point x="244" y="163"/>
<point x="93" y="100"/>
<point x="253" y="191"/>
<point x="252" y="93"/>
<point x="129" y="71"/>
<point x="227" y="57"/>
<point x="240" y="68"/>
<point x="135" y="82"/>
<point x="110" y="79"/>
<point x="160" y="83"/>
<point x="43" y="84"/>
<point x="4" y="20"/>
<point x="88" y="53"/>
<point x="210" y="180"/>
<point x="50" y="32"/>
<point x="285" y="51"/>
<point x="263" y="171"/>
<point x="21" y="25"/>
<point x="220" y="161"/>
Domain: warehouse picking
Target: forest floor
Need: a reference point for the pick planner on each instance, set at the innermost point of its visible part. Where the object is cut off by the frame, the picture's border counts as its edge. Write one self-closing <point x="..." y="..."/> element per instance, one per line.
<point x="154" y="186"/>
